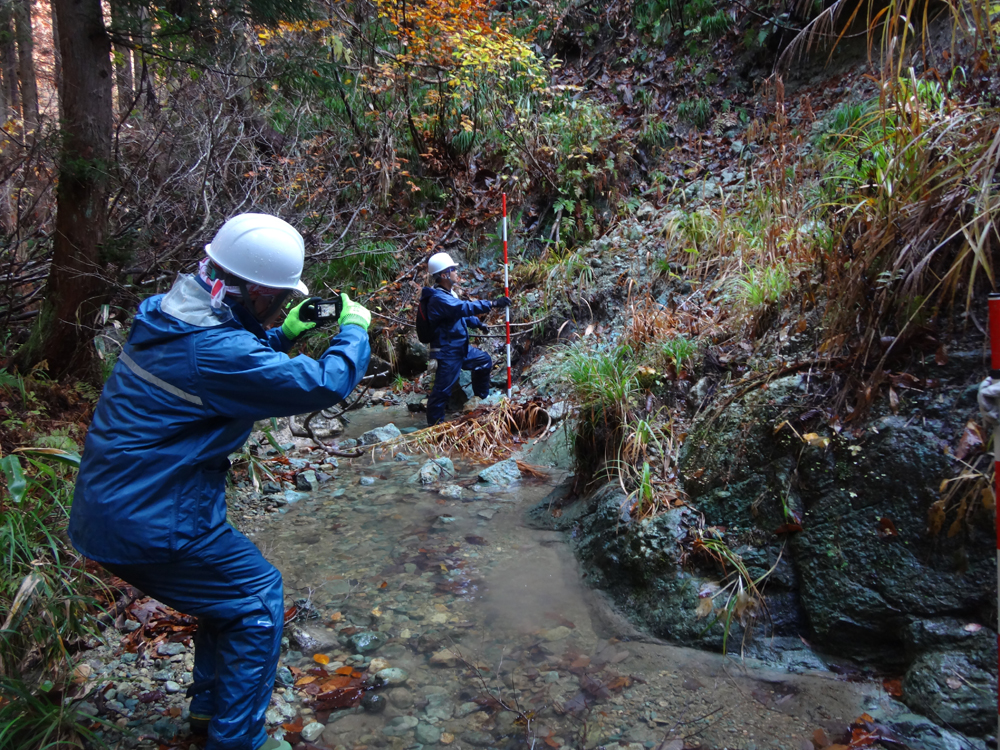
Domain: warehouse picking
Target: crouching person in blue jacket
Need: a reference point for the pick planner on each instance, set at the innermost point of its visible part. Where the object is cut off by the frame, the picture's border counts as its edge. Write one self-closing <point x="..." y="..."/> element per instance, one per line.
<point x="450" y="319"/>
<point x="198" y="370"/>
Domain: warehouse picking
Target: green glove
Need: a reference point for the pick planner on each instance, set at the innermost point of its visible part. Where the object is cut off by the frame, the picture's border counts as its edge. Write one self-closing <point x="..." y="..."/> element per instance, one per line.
<point x="354" y="314"/>
<point x="294" y="326"/>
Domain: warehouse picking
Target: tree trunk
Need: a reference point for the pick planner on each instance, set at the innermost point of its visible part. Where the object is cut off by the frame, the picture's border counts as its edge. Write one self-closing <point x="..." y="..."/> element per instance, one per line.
<point x="121" y="20"/>
<point x="76" y="289"/>
<point x="143" y="68"/>
<point x="56" y="56"/>
<point x="26" y="62"/>
<point x="8" y="59"/>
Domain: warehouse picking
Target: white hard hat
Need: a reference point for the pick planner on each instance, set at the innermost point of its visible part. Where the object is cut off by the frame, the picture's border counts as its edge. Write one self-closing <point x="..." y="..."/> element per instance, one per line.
<point x="440" y="262"/>
<point x="261" y="249"/>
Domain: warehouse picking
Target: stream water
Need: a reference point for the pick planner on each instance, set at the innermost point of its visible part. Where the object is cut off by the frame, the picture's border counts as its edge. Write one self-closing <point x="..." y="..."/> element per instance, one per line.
<point x="500" y="640"/>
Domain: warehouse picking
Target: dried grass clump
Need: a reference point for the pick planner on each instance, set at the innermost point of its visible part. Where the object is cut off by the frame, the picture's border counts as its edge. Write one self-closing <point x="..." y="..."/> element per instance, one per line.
<point x="486" y="434"/>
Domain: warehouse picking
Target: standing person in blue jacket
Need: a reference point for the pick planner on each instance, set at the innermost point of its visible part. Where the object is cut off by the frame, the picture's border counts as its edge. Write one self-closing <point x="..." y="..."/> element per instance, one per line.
<point x="198" y="370"/>
<point x="450" y="319"/>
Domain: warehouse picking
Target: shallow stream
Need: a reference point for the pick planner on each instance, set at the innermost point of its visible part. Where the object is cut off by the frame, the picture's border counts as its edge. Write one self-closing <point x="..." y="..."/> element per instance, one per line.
<point x="500" y="639"/>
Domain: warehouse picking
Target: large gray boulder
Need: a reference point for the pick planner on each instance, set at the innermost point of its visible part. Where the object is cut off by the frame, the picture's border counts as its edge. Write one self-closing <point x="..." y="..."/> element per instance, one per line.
<point x="379" y="435"/>
<point x="501" y="474"/>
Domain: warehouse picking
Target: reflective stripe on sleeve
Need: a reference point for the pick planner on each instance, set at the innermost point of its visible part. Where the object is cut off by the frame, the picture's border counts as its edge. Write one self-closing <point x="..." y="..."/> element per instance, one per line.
<point x="153" y="380"/>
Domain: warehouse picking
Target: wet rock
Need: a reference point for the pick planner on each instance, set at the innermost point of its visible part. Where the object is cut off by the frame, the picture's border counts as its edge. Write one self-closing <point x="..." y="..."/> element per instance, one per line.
<point x="863" y="557"/>
<point x="451" y="490"/>
<point x="559" y="410"/>
<point x="306" y="481"/>
<point x="291" y="496"/>
<point x="87" y="709"/>
<point x="643" y="568"/>
<point x="377" y="664"/>
<point x="427" y="734"/>
<point x="379" y="435"/>
<point x="919" y="731"/>
<point x="444" y="658"/>
<point x="347" y="444"/>
<point x="374" y="703"/>
<point x="557" y="634"/>
<point x="171" y="649"/>
<point x="412" y="356"/>
<point x="400" y="726"/>
<point x="366" y="481"/>
<point x="391" y="676"/>
<point x="366" y="642"/>
<point x="171" y="687"/>
<point x="285" y="677"/>
<point x="401" y="698"/>
<point x="956" y="687"/>
<point x="501" y="474"/>
<point x="477" y="739"/>
<point x="343" y="728"/>
<point x="312" y="731"/>
<point x="432" y="470"/>
<point x="439" y="706"/>
<point x="416" y="403"/>
<point x="310" y="640"/>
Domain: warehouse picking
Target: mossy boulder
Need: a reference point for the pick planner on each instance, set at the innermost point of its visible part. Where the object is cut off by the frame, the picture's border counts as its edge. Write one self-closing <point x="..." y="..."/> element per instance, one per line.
<point x="852" y="509"/>
<point x="641" y="564"/>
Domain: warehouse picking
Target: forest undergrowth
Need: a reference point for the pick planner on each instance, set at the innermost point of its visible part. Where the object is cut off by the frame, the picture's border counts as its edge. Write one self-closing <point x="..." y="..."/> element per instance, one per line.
<point x="853" y="224"/>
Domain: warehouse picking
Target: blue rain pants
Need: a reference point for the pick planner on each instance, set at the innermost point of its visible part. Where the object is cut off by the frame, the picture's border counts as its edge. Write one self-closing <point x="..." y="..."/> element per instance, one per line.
<point x="236" y="595"/>
<point x="449" y="370"/>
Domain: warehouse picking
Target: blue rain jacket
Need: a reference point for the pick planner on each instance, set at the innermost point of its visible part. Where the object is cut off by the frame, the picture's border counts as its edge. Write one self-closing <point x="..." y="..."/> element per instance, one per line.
<point x="184" y="394"/>
<point x="450" y="319"/>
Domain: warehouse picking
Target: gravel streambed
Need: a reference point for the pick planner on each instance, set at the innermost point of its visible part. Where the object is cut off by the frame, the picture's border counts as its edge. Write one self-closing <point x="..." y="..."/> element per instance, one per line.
<point x="425" y="613"/>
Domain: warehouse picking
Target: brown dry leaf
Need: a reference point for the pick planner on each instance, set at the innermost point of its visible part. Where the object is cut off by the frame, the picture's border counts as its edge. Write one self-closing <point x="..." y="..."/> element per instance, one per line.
<point x="583" y="661"/>
<point x="704" y="607"/>
<point x="446" y="738"/>
<point x="321" y="658"/>
<point x="293" y="726"/>
<point x="987" y="498"/>
<point x="886" y="528"/>
<point x="619" y="683"/>
<point x="820" y="739"/>
<point x="82" y="673"/>
<point x="336" y="617"/>
<point x="815" y="440"/>
<point x="956" y="525"/>
<point x="893" y="687"/>
<point x="589" y="330"/>
<point x="941" y="356"/>
<point x="935" y="517"/>
<point x="344" y="670"/>
<point x="305" y="680"/>
<point x="971" y="442"/>
<point x="335" y="683"/>
<point x="893" y="400"/>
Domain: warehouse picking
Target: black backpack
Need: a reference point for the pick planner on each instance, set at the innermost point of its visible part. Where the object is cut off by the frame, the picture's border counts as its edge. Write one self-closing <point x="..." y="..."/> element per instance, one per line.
<point x="423" y="323"/>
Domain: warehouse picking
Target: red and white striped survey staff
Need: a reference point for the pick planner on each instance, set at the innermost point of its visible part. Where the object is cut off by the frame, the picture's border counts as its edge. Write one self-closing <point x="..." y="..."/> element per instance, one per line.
<point x="506" y="292"/>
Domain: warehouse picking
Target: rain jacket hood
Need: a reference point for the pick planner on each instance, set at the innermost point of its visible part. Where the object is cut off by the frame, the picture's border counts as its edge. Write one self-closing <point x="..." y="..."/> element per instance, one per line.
<point x="185" y="393"/>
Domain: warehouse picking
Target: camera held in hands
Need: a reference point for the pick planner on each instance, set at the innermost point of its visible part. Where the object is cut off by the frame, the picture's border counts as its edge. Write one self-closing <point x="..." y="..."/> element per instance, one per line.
<point x="321" y="311"/>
